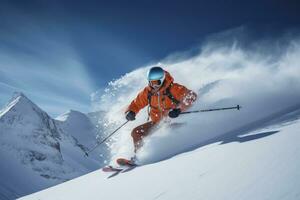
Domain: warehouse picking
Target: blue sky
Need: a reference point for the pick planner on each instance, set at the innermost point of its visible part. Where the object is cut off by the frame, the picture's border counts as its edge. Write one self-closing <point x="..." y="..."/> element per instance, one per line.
<point x="59" y="52"/>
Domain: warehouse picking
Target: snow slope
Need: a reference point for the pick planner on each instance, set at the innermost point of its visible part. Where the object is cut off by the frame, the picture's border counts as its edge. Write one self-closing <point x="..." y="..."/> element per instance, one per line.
<point x="260" y="164"/>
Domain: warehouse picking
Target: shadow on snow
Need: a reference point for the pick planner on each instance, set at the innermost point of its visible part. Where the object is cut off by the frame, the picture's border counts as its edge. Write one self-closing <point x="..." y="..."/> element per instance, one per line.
<point x="287" y="116"/>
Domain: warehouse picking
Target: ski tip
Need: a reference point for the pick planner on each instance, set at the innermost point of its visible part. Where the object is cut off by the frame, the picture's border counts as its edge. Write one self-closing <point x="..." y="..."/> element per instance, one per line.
<point x="106" y="169"/>
<point x="110" y="168"/>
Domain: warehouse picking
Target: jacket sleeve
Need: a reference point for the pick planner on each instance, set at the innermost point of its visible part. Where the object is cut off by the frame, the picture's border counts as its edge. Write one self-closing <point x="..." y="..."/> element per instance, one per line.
<point x="185" y="96"/>
<point x="139" y="102"/>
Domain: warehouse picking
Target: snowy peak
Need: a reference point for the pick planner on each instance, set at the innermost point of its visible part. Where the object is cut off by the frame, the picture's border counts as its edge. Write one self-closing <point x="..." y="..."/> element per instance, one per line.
<point x="23" y="115"/>
<point x="19" y="104"/>
<point x="79" y="126"/>
<point x="72" y="116"/>
<point x="19" y="98"/>
<point x="40" y="148"/>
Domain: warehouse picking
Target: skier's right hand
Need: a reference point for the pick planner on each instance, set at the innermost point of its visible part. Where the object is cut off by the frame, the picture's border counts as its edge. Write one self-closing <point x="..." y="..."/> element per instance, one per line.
<point x="174" y="113"/>
<point x="130" y="116"/>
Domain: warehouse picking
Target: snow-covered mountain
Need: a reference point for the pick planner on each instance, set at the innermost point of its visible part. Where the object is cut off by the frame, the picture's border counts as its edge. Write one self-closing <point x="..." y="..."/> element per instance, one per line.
<point x="43" y="150"/>
<point x="79" y="126"/>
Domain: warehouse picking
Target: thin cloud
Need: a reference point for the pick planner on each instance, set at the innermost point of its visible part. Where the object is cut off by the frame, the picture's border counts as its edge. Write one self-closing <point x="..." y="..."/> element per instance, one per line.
<point x="41" y="65"/>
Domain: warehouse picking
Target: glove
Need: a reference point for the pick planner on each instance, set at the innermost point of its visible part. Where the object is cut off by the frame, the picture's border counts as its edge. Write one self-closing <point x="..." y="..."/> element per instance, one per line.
<point x="130" y="116"/>
<point x="174" y="113"/>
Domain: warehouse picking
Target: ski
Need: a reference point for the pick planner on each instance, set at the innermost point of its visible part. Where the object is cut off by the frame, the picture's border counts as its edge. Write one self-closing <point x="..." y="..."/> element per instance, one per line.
<point x="125" y="165"/>
<point x="129" y="164"/>
<point x="126" y="162"/>
<point x="115" y="170"/>
<point x="110" y="168"/>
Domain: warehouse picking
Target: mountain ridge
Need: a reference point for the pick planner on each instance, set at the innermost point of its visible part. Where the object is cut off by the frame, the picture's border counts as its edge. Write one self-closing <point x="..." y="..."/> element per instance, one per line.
<point x="43" y="148"/>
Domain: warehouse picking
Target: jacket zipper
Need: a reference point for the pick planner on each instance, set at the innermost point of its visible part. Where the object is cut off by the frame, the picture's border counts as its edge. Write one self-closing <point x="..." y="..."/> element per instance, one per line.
<point x="159" y="107"/>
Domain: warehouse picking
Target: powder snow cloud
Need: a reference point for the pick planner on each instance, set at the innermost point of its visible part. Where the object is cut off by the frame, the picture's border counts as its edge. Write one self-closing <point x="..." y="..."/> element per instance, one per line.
<point x="263" y="76"/>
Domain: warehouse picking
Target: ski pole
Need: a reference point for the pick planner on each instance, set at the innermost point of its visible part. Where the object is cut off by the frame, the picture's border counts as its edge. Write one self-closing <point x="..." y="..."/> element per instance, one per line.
<point x="238" y="107"/>
<point x="87" y="153"/>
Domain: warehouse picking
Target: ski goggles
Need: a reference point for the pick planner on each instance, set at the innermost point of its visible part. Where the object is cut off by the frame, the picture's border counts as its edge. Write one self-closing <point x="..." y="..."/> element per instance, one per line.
<point x="155" y="83"/>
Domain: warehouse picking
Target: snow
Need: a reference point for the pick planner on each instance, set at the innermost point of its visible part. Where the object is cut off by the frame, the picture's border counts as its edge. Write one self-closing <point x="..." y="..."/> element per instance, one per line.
<point x="38" y="148"/>
<point x="248" y="154"/>
<point x="264" y="164"/>
<point x="79" y="126"/>
<point x="266" y="84"/>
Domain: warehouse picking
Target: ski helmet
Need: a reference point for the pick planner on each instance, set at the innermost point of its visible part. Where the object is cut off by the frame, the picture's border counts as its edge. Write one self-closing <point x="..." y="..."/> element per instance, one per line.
<point x="156" y="75"/>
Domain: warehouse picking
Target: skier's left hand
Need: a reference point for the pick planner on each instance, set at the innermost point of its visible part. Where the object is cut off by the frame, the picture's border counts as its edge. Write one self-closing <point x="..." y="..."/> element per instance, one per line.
<point x="174" y="113"/>
<point x="130" y="116"/>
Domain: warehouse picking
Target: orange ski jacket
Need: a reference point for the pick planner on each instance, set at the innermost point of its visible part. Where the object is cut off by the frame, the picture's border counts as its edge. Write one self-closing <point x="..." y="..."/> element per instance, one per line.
<point x="160" y="103"/>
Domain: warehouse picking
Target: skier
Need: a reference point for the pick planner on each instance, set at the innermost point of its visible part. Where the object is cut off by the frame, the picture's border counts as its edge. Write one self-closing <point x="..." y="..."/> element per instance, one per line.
<point x="164" y="98"/>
